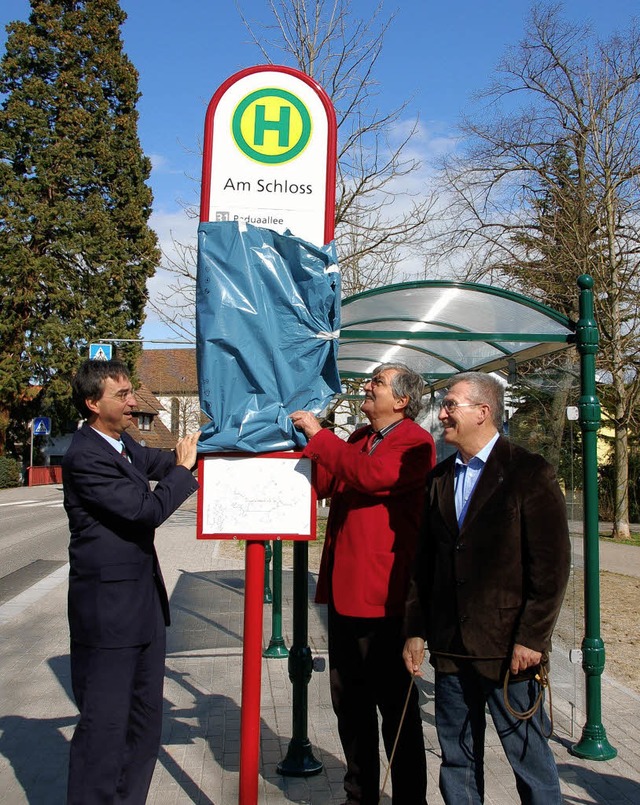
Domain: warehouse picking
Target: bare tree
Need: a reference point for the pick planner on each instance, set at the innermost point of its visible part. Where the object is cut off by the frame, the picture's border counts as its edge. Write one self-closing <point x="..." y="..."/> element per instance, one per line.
<point x="548" y="188"/>
<point x="379" y="220"/>
<point x="186" y="415"/>
<point x="175" y="305"/>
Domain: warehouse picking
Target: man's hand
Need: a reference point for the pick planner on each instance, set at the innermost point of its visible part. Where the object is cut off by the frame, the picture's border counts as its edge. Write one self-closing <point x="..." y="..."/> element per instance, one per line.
<point x="305" y="421"/>
<point x="187" y="450"/>
<point x="523" y="658"/>
<point x="413" y="655"/>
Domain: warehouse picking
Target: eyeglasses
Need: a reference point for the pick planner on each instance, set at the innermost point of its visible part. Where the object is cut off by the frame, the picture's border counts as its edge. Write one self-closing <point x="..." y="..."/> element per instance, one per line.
<point x="451" y="405"/>
<point x="124" y="394"/>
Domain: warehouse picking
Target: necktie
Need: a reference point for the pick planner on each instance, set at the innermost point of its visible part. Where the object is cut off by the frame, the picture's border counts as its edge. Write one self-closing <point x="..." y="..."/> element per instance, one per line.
<point x="370" y="442"/>
<point x="123" y="452"/>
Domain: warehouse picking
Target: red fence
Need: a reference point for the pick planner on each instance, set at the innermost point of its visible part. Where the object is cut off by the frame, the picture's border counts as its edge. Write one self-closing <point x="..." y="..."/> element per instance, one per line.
<point x="37" y="476"/>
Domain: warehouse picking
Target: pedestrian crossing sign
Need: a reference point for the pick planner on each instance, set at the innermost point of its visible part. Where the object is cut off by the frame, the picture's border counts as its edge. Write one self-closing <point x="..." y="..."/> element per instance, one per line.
<point x="42" y="426"/>
<point x="100" y="352"/>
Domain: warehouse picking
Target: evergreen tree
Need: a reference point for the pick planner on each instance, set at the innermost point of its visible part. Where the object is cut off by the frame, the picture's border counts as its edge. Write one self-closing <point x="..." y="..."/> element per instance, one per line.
<point x="76" y="250"/>
<point x="560" y="238"/>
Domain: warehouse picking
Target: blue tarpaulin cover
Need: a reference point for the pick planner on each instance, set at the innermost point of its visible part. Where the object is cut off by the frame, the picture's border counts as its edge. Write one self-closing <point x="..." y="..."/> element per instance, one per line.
<point x="267" y="323"/>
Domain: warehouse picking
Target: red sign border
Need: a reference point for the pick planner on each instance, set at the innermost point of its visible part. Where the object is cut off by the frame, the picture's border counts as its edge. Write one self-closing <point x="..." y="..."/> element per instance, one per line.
<point x="332" y="138"/>
<point x="295" y="455"/>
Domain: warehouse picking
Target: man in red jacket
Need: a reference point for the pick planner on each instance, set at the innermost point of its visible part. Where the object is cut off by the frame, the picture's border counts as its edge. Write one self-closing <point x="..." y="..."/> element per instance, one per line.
<point x="376" y="483"/>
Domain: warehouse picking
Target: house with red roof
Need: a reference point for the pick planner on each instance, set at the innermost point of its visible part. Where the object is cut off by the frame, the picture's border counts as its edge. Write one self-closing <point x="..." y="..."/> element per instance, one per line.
<point x="171" y="376"/>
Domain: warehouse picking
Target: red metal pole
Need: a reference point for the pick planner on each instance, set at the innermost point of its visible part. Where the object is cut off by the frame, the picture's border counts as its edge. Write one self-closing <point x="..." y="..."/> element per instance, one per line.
<point x="251" y="673"/>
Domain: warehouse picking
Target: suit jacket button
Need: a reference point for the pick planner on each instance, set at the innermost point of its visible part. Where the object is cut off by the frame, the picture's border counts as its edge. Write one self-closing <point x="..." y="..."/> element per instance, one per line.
<point x="461" y="581"/>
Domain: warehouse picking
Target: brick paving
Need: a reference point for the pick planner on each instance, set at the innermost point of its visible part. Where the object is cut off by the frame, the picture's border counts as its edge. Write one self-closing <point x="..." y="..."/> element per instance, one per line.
<point x="199" y="757"/>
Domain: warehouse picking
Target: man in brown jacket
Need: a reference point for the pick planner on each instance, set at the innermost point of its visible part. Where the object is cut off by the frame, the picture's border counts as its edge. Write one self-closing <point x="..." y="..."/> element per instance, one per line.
<point x="489" y="581"/>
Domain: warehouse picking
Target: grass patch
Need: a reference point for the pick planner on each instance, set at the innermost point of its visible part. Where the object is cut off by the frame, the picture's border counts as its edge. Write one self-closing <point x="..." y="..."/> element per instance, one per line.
<point x="634" y="539"/>
<point x="605" y="535"/>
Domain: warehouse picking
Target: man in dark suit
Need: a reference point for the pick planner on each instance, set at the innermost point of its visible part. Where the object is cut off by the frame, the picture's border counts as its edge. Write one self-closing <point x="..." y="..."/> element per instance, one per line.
<point x="489" y="580"/>
<point x="376" y="484"/>
<point x="118" y="605"/>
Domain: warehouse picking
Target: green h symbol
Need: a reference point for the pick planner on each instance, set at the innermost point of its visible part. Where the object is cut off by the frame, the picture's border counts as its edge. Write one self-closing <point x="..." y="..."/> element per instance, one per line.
<point x="281" y="126"/>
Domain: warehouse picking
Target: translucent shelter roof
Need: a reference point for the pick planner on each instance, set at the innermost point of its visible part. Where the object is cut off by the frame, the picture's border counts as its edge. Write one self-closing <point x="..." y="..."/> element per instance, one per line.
<point x="441" y="328"/>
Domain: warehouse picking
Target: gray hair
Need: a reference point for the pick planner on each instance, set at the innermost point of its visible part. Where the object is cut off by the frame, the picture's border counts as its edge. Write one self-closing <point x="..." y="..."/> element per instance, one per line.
<point x="405" y="383"/>
<point x="485" y="389"/>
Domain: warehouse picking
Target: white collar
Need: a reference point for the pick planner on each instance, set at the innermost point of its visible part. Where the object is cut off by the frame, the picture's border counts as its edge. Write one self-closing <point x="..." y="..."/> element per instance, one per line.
<point x="117" y="444"/>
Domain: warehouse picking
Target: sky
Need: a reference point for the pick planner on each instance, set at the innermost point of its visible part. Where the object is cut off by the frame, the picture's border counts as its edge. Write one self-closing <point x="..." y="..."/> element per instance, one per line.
<point x="435" y="54"/>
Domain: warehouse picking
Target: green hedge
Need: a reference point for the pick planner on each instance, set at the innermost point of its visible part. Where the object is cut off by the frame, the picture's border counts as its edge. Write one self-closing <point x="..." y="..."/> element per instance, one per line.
<point x="9" y="473"/>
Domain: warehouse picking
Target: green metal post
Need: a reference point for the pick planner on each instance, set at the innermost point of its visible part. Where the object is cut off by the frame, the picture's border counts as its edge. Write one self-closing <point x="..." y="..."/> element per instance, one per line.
<point x="300" y="761"/>
<point x="267" y="559"/>
<point x="593" y="744"/>
<point x="276" y="648"/>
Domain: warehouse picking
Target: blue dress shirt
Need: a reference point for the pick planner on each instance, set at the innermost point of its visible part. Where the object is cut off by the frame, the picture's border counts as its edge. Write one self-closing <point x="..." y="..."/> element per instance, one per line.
<point x="467" y="476"/>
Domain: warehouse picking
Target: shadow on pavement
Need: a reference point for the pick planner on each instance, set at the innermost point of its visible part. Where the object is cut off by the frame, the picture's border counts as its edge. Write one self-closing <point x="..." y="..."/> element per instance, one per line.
<point x="207" y="622"/>
<point x="38" y="754"/>
<point x="608" y="786"/>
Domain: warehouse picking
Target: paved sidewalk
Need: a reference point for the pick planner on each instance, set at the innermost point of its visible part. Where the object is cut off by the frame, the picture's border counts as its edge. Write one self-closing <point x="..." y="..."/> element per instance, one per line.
<point x="614" y="557"/>
<point x="199" y="757"/>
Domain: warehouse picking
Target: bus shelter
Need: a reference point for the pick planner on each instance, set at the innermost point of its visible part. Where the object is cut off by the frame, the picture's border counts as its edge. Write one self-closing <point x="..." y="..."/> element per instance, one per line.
<point x="441" y="328"/>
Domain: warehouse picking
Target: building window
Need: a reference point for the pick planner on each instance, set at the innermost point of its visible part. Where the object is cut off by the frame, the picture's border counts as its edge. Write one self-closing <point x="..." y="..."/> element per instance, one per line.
<point x="144" y="421"/>
<point x="175" y="415"/>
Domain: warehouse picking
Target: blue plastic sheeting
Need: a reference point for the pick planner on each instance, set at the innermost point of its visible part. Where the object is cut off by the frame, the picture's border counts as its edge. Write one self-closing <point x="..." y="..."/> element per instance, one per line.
<point x="267" y="323"/>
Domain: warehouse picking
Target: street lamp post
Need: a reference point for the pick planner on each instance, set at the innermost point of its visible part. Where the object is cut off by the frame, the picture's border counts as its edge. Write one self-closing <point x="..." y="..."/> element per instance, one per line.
<point x="593" y="745"/>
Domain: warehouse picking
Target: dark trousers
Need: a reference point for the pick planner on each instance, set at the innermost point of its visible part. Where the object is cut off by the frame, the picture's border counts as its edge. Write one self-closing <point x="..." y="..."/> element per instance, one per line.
<point x="116" y="741"/>
<point x="367" y="674"/>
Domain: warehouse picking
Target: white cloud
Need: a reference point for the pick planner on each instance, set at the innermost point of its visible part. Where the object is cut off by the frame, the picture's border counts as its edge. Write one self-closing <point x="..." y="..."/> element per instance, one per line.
<point x="173" y="226"/>
<point x="157" y="161"/>
<point x="160" y="164"/>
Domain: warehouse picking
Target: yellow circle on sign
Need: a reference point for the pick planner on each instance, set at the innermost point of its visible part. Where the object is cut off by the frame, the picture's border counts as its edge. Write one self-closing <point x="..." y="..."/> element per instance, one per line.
<point x="271" y="126"/>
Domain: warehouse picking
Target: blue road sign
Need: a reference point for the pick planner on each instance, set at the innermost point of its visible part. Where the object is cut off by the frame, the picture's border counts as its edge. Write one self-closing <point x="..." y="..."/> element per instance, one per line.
<point x="42" y="426"/>
<point x="100" y="352"/>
